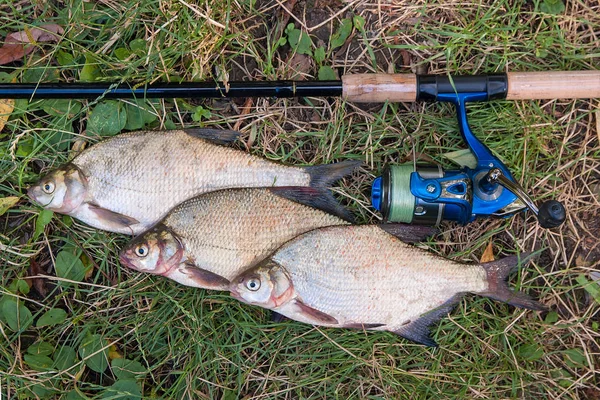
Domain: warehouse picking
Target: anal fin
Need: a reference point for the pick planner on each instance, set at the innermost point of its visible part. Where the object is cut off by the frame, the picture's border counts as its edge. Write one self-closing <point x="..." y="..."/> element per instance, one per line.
<point x="418" y="330"/>
<point x="203" y="278"/>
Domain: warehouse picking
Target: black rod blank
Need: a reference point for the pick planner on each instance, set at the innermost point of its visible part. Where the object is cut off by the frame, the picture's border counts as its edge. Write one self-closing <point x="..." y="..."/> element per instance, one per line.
<point x="198" y="90"/>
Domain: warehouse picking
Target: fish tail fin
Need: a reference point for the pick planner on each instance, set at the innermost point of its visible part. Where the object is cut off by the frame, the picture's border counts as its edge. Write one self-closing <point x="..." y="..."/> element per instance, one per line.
<point x="325" y="175"/>
<point x="497" y="274"/>
<point x="319" y="198"/>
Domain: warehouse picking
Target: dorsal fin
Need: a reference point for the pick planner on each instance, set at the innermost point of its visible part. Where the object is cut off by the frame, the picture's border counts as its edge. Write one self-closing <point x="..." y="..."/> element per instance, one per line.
<point x="218" y="136"/>
<point x="316" y="197"/>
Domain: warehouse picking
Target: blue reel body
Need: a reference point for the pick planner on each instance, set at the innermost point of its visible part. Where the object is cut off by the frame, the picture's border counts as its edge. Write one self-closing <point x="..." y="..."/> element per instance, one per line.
<point x="427" y="195"/>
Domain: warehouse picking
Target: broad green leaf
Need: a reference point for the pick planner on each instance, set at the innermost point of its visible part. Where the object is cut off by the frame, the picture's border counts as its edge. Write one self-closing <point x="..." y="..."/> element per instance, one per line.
<point x="201" y="113"/>
<point x="126" y="369"/>
<point x="22" y="286"/>
<point x="592" y="287"/>
<point x="530" y="352"/>
<point x="139" y="47"/>
<point x="90" y="70"/>
<point x="69" y="266"/>
<point x="7" y="202"/>
<point x="359" y="22"/>
<point x="43" y="219"/>
<point x="40" y="349"/>
<point x="65" y="58"/>
<point x="464" y="158"/>
<point x="107" y="118"/>
<point x="138" y="115"/>
<point x="123" y="389"/>
<point x="574" y="358"/>
<point x="64" y="358"/>
<point x="344" y="30"/>
<point x="122" y="53"/>
<point x="74" y="395"/>
<point x="25" y="147"/>
<point x="53" y="316"/>
<point x="38" y="362"/>
<point x="551" y="317"/>
<point x="17" y="316"/>
<point x="40" y="391"/>
<point x="229" y="395"/>
<point x="299" y="41"/>
<point x="90" y="345"/>
<point x="61" y="107"/>
<point x="552" y="6"/>
<point x="326" y="73"/>
<point x="319" y="55"/>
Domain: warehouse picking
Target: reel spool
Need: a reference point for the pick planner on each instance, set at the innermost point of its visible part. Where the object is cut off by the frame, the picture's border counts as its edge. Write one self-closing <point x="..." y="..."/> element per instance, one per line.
<point x="427" y="194"/>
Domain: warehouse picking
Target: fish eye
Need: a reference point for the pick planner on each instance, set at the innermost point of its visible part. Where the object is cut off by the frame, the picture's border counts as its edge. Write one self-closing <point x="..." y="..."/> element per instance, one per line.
<point x="253" y="284"/>
<point x="141" y="250"/>
<point x="48" y="187"/>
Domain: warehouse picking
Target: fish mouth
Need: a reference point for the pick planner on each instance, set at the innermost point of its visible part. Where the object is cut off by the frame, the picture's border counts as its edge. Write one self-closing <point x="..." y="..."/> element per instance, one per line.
<point x="124" y="260"/>
<point x="235" y="293"/>
<point x="31" y="194"/>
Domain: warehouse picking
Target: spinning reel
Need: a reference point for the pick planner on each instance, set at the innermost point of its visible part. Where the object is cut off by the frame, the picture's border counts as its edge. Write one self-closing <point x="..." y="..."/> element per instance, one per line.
<point x="427" y="194"/>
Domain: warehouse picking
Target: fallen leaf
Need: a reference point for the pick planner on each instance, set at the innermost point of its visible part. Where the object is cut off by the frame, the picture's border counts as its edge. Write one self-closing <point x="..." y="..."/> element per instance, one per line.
<point x="6" y="108"/>
<point x="113" y="352"/>
<point x="488" y="254"/>
<point x="40" y="284"/>
<point x="18" y="44"/>
<point x="299" y="67"/>
<point x="580" y="261"/>
<point x="464" y="158"/>
<point x="7" y="202"/>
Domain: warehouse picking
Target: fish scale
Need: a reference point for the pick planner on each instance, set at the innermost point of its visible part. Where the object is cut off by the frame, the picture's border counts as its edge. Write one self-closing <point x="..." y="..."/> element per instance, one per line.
<point x="127" y="183"/>
<point x="246" y="218"/>
<point x="226" y="231"/>
<point x="184" y="159"/>
<point x="360" y="274"/>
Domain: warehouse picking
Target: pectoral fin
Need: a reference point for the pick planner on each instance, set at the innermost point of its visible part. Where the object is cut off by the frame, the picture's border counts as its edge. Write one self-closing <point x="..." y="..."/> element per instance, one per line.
<point x="218" y="136"/>
<point x="112" y="217"/>
<point x="203" y="278"/>
<point x="418" y="330"/>
<point x="311" y="315"/>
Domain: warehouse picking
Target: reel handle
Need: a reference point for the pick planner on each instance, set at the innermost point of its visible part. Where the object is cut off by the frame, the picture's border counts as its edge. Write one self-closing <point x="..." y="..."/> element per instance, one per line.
<point x="550" y="214"/>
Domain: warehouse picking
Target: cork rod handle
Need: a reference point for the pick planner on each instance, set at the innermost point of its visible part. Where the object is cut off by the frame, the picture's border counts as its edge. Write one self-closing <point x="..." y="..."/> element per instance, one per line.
<point x="553" y="85"/>
<point x="367" y="88"/>
<point x="377" y="88"/>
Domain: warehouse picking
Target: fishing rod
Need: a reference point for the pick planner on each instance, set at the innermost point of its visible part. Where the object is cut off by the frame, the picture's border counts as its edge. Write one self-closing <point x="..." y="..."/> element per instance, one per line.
<point x="410" y="193"/>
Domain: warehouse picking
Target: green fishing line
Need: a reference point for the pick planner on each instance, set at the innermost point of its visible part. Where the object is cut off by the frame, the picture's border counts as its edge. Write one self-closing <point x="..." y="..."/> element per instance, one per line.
<point x="402" y="201"/>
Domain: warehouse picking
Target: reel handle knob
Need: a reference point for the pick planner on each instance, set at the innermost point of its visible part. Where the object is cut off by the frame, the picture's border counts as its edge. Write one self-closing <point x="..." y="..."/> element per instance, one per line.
<point x="551" y="214"/>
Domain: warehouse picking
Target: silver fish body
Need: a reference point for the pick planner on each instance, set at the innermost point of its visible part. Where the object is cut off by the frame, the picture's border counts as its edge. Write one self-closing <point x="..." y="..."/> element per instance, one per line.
<point x="129" y="182"/>
<point x="362" y="277"/>
<point x="210" y="239"/>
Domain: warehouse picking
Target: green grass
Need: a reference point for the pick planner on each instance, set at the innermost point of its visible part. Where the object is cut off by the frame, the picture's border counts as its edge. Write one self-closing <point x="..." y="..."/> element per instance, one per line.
<point x="197" y="344"/>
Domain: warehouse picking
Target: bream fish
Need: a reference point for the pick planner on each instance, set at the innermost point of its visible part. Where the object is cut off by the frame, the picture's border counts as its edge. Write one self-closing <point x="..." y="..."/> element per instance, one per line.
<point x="210" y="239"/>
<point x="129" y="182"/>
<point x="362" y="277"/>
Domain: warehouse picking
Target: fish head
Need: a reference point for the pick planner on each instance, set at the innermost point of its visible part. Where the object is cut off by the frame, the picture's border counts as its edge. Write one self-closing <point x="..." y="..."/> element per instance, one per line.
<point x="266" y="285"/>
<point x="156" y="251"/>
<point x="62" y="190"/>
